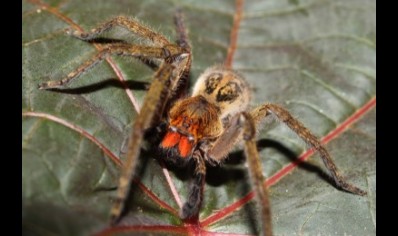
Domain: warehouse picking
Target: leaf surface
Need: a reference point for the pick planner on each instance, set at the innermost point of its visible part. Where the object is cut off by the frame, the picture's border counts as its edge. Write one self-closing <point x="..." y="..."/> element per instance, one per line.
<point x="316" y="58"/>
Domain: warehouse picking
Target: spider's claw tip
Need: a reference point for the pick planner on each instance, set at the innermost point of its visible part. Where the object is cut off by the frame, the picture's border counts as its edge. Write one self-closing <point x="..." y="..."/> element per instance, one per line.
<point x="42" y="86"/>
<point x="359" y="192"/>
<point x="352" y="189"/>
<point x="362" y="192"/>
<point x="49" y="85"/>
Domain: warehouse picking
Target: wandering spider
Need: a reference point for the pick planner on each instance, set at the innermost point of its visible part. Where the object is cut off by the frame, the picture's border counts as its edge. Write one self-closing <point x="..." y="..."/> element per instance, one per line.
<point x="202" y="128"/>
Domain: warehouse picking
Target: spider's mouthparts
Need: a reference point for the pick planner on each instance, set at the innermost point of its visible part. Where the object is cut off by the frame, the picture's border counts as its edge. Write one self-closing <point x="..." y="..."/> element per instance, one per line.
<point x="182" y="143"/>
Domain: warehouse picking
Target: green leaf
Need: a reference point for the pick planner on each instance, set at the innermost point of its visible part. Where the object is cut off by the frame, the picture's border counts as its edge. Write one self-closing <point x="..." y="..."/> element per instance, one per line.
<point x="316" y="58"/>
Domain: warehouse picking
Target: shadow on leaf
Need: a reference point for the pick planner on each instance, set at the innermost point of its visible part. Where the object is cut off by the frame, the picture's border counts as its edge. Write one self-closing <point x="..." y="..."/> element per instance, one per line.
<point x="133" y="85"/>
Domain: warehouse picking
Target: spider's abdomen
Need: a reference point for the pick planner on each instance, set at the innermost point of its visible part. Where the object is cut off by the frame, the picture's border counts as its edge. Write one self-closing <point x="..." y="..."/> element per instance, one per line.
<point x="225" y="89"/>
<point x="191" y="120"/>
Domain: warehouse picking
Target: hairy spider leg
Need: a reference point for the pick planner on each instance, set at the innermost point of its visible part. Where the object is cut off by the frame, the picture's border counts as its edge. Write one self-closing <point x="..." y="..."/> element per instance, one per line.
<point x="193" y="203"/>
<point x="242" y="126"/>
<point x="164" y="84"/>
<point x="253" y="119"/>
<point x="177" y="62"/>
<point x="130" y="24"/>
<point x="305" y="134"/>
<point x="154" y="101"/>
<point x="181" y="89"/>
<point x="115" y="49"/>
<point x="163" y="49"/>
<point x="256" y="174"/>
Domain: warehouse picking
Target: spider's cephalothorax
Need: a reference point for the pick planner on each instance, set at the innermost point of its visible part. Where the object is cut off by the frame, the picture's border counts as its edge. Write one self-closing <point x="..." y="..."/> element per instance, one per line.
<point x="204" y="127"/>
<point x="219" y="94"/>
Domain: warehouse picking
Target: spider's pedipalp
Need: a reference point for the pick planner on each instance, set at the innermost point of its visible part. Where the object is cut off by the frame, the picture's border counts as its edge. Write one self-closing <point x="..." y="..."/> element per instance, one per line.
<point x="191" y="120"/>
<point x="227" y="140"/>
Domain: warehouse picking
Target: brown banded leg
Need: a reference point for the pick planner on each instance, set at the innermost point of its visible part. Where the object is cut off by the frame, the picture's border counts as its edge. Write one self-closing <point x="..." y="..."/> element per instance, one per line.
<point x="127" y="23"/>
<point x="182" y="41"/>
<point x="241" y="126"/>
<point x="296" y="126"/>
<point x="154" y="103"/>
<point x="182" y="34"/>
<point x="116" y="49"/>
<point x="256" y="174"/>
<point x="192" y="206"/>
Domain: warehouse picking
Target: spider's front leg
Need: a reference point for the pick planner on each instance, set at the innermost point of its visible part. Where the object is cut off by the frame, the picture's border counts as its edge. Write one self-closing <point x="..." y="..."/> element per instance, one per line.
<point x="124" y="22"/>
<point x="243" y="126"/>
<point x="155" y="100"/>
<point x="162" y="89"/>
<point x="162" y="48"/>
<point x="168" y="51"/>
<point x="283" y="115"/>
<point x="195" y="196"/>
<point x="174" y="68"/>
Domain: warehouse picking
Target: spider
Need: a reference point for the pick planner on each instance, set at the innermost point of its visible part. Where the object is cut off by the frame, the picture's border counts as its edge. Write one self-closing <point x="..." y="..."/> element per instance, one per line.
<point x="201" y="128"/>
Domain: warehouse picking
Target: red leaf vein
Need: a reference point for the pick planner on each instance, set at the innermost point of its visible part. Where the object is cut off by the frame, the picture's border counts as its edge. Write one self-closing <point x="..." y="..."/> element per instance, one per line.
<point x="233" y="38"/>
<point x="78" y="129"/>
